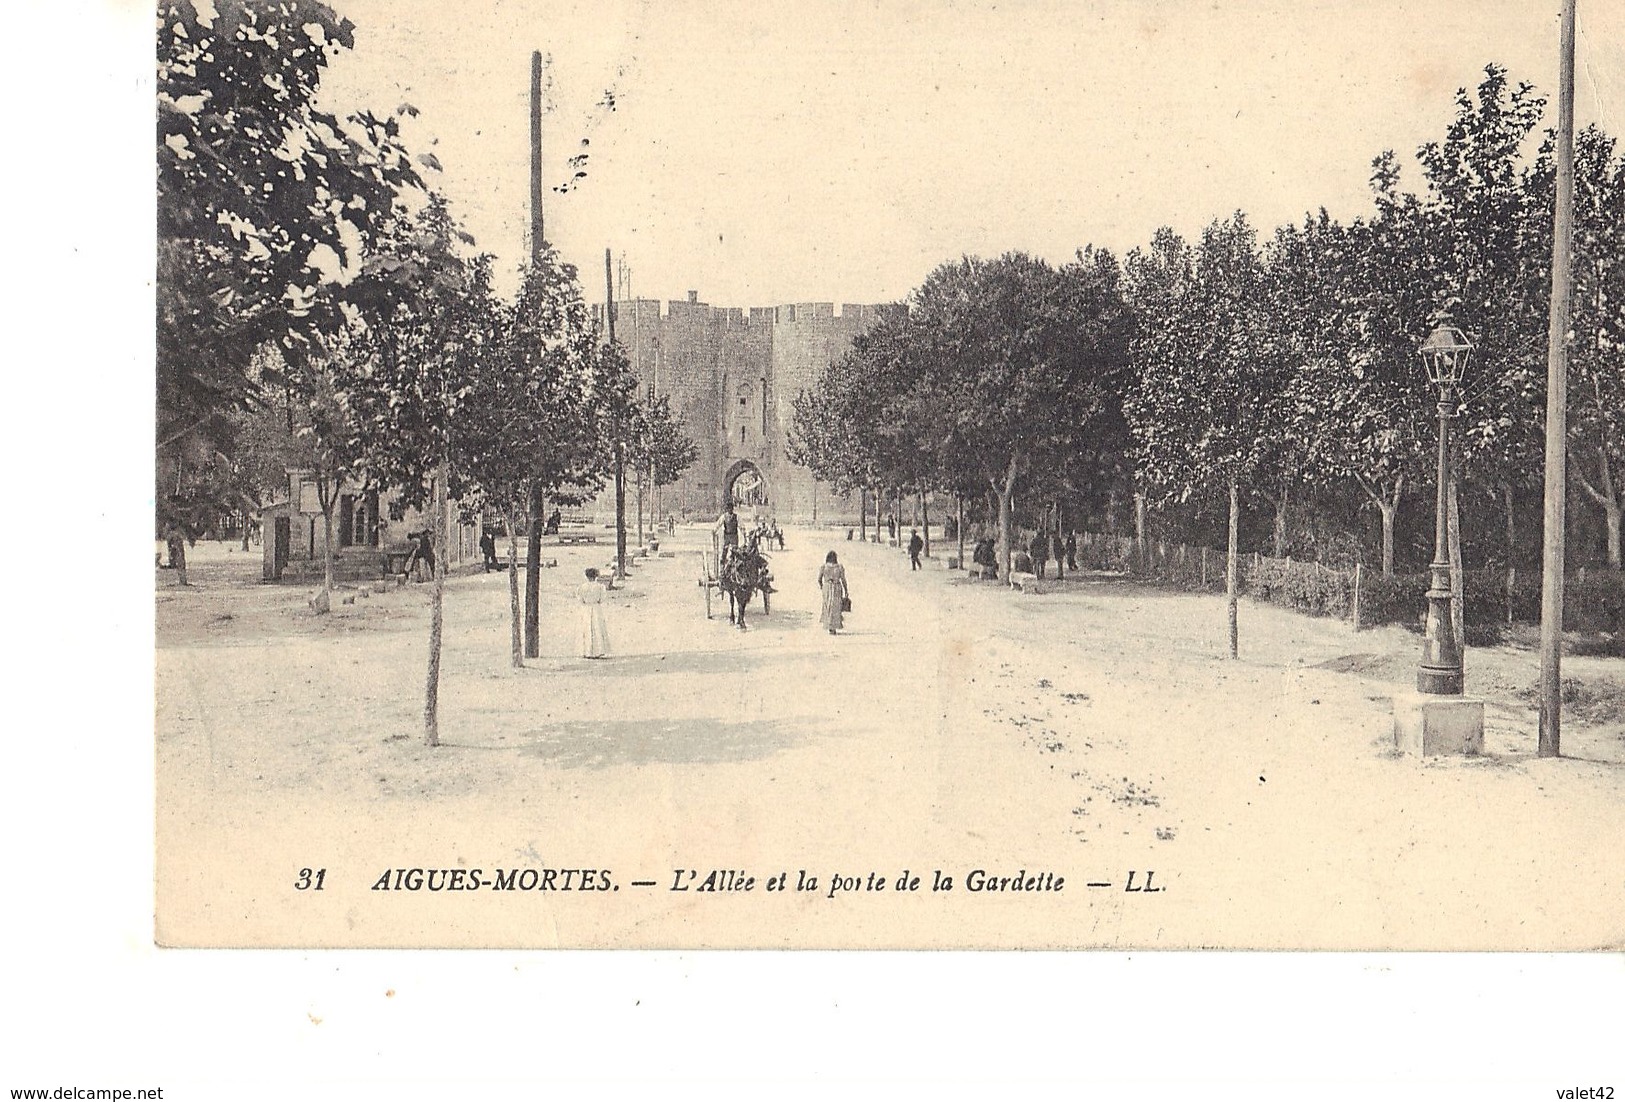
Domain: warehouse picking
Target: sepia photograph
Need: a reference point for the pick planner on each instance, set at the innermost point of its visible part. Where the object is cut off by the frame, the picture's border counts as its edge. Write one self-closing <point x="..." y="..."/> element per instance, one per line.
<point x="1068" y="476"/>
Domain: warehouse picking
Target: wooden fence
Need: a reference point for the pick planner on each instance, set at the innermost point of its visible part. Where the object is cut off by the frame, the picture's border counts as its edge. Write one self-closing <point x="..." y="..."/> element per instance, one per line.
<point x="1594" y="600"/>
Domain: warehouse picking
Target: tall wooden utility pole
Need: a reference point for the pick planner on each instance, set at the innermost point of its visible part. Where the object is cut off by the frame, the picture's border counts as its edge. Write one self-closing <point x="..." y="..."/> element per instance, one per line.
<point x="533" y="543"/>
<point x="1557" y="422"/>
<point x="620" y="435"/>
<point x="537" y="236"/>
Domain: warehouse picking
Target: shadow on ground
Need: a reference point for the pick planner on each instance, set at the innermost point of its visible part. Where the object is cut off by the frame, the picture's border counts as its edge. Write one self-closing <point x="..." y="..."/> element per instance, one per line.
<point x="595" y="744"/>
<point x="700" y="662"/>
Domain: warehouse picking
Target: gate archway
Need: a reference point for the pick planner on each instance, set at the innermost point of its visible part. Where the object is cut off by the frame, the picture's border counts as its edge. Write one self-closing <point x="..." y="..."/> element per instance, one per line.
<point x="746" y="486"/>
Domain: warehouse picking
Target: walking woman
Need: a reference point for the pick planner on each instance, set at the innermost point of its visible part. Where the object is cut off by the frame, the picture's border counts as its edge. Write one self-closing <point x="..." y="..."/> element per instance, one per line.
<point x="594" y="632"/>
<point x="832" y="580"/>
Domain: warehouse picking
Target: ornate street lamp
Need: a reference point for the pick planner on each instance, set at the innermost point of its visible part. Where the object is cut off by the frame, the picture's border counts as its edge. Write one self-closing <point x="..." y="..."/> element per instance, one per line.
<point x="1444" y="354"/>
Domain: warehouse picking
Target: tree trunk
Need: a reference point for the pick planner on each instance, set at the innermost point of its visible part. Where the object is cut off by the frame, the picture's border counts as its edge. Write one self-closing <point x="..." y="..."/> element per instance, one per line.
<point x="1056" y="545"/>
<point x="1139" y="532"/>
<point x="1614" y="524"/>
<point x="959" y="527"/>
<point x="533" y="575"/>
<point x="327" y="548"/>
<point x="1004" y="535"/>
<point x="177" y="557"/>
<point x="245" y="529"/>
<point x="620" y="511"/>
<point x="1387" y="509"/>
<point x="1232" y="567"/>
<point x="1006" y="493"/>
<point x="1280" y="522"/>
<point x="863" y="515"/>
<point x="431" y="687"/>
<point x="1510" y="516"/>
<point x="1610" y="507"/>
<point x="925" y="523"/>
<point x="640" y="509"/>
<point x="513" y="588"/>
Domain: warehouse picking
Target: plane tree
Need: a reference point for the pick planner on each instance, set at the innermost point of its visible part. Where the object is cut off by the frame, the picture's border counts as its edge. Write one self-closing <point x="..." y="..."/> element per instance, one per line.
<point x="1209" y="375"/>
<point x="262" y="200"/>
<point x="1019" y="359"/>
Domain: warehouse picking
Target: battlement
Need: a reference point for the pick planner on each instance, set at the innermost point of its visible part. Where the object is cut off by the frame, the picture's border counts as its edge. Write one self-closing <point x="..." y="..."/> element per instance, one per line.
<point x="649" y="311"/>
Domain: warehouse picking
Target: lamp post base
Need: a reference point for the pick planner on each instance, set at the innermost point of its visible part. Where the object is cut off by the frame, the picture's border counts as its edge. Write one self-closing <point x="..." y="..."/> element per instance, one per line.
<point x="1426" y="724"/>
<point x="1440" y="672"/>
<point x="1435" y="681"/>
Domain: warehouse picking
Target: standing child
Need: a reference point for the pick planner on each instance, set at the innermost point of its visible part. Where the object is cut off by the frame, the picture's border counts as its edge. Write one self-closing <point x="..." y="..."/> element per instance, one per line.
<point x="594" y="631"/>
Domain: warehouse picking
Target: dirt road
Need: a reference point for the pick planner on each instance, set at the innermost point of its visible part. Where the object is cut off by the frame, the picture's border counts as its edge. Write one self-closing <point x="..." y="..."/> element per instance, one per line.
<point x="1094" y="735"/>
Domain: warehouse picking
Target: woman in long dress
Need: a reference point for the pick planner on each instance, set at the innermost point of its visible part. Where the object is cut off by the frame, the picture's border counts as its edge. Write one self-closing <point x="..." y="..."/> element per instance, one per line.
<point x="594" y="632"/>
<point x="832" y="580"/>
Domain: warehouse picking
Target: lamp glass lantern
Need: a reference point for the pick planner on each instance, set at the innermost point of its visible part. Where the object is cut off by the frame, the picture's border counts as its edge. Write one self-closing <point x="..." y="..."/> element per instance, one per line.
<point x="1445" y="354"/>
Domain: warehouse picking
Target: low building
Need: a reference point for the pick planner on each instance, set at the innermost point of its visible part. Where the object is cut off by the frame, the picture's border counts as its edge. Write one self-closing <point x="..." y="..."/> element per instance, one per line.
<point x="368" y="524"/>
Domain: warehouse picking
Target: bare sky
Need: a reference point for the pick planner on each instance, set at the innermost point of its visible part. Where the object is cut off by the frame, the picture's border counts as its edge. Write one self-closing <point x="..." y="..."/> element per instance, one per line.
<point x="764" y="153"/>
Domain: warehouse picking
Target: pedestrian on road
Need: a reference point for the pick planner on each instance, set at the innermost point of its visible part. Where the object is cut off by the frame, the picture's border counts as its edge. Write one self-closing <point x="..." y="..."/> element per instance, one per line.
<point x="832" y="581"/>
<point x="422" y="557"/>
<point x="891" y="526"/>
<point x="1039" y="550"/>
<point x="488" y="548"/>
<point x="1071" y="550"/>
<point x="1060" y="555"/>
<point x="986" y="556"/>
<point x="915" y="546"/>
<point x="594" y="631"/>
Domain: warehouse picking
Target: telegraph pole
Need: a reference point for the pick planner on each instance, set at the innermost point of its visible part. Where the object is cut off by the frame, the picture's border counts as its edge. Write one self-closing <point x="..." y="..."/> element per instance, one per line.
<point x="1551" y="588"/>
<point x="533" y="542"/>
<point x="620" y="435"/>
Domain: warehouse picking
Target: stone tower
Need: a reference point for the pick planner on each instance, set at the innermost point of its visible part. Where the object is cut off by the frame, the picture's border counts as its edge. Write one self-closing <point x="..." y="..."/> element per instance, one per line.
<point x="732" y="378"/>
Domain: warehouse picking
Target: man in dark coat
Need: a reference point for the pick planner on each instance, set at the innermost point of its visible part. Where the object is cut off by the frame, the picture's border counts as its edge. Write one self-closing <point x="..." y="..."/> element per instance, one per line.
<point x="1039" y="550"/>
<point x="488" y="548"/>
<point x="915" y="546"/>
<point x="1071" y="550"/>
<point x="986" y="556"/>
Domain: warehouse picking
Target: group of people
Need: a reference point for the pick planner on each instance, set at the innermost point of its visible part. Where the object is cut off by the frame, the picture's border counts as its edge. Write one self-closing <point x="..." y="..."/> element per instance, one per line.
<point x="1046" y="545"/>
<point x="725" y="532"/>
<point x="1043" y="547"/>
<point x="836" y="598"/>
<point x="421" y="558"/>
<point x="767" y="535"/>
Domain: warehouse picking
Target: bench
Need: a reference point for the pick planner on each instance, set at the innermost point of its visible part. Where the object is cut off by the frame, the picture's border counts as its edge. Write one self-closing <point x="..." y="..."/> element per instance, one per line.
<point x="502" y="563"/>
<point x="577" y="532"/>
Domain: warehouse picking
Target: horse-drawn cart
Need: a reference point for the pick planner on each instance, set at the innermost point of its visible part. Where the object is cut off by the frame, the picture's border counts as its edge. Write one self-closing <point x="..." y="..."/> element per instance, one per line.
<point x="735" y="573"/>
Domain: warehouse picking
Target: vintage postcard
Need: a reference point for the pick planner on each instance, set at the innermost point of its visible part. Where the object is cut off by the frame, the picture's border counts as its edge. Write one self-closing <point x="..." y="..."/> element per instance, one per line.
<point x="888" y="475"/>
